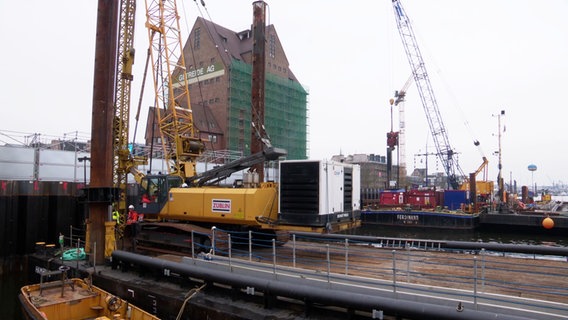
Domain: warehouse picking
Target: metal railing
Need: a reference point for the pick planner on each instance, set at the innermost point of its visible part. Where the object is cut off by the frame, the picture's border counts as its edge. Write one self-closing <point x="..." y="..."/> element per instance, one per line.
<point x="419" y="267"/>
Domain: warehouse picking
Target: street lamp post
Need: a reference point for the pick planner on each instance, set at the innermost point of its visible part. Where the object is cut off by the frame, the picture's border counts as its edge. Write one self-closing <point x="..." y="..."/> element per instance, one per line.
<point x="84" y="160"/>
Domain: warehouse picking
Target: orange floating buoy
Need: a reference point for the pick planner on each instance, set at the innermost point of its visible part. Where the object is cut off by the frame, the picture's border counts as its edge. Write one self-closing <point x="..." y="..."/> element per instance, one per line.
<point x="548" y="223"/>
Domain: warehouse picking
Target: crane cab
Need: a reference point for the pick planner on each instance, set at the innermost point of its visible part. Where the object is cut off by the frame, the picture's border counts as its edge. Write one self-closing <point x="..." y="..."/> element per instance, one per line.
<point x="153" y="192"/>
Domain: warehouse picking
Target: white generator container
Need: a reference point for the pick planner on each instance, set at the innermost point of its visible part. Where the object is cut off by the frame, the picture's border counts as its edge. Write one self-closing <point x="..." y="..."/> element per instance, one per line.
<point x="319" y="193"/>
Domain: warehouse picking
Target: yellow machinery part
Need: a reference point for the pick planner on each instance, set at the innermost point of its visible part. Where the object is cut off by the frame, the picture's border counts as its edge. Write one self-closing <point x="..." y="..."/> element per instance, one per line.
<point x="110" y="239"/>
<point x="240" y="206"/>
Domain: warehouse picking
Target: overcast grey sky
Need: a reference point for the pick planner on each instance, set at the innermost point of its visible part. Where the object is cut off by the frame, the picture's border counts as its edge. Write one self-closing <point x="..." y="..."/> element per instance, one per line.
<point x="482" y="57"/>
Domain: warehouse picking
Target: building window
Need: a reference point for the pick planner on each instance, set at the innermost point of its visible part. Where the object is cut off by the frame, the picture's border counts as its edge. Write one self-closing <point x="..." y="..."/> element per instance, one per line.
<point x="272" y="46"/>
<point x="196" y="38"/>
<point x="213" y="138"/>
<point x="213" y="60"/>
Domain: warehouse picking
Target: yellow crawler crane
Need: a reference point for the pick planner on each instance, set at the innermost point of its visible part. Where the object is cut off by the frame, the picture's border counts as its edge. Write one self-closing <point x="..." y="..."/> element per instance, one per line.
<point x="183" y="200"/>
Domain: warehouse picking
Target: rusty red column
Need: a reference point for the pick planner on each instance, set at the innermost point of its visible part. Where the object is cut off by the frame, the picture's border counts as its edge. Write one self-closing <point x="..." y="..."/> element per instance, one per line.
<point x="258" y="79"/>
<point x="99" y="193"/>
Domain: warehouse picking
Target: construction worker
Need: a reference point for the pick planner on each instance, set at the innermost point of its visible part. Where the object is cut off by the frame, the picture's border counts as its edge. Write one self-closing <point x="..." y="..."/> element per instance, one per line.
<point x="132" y="215"/>
<point x="116" y="216"/>
<point x="132" y="220"/>
<point x="61" y="241"/>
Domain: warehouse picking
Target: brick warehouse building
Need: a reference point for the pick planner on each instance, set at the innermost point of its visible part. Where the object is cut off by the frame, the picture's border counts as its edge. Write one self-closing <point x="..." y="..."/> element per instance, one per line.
<point x="219" y="64"/>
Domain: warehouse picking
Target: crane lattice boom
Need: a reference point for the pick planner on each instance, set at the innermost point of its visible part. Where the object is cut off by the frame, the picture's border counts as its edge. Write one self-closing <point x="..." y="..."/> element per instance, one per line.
<point x="181" y="143"/>
<point x="429" y="103"/>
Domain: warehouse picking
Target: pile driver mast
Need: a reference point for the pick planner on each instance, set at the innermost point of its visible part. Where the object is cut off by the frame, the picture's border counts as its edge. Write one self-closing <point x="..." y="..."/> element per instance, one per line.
<point x="123" y="161"/>
<point x="429" y="103"/>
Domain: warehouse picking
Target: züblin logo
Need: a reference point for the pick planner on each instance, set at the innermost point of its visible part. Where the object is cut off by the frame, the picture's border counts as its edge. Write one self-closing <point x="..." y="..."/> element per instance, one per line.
<point x="220" y="205"/>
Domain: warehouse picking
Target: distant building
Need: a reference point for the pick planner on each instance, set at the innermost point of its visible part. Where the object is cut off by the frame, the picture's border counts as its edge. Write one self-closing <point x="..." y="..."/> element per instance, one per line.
<point x="373" y="175"/>
<point x="219" y="64"/>
<point x="67" y="145"/>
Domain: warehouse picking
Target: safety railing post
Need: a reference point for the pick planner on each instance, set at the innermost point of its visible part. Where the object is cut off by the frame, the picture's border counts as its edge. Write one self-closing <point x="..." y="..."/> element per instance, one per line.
<point x="274" y="256"/>
<point x="328" y="263"/>
<point x="213" y="239"/>
<point x="394" y="271"/>
<point x="407" y="263"/>
<point x="250" y="245"/>
<point x="192" y="247"/>
<point x="230" y="253"/>
<point x="475" y="282"/>
<point x="294" y="250"/>
<point x="482" y="269"/>
<point x="346" y="256"/>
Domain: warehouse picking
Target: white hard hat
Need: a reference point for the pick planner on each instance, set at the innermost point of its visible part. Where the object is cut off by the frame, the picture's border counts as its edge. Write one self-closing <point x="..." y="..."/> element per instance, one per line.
<point x="130" y="207"/>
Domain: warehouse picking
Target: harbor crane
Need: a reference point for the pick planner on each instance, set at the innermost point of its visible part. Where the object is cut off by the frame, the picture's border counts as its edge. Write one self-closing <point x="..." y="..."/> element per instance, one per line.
<point x="429" y="103"/>
<point x="398" y="101"/>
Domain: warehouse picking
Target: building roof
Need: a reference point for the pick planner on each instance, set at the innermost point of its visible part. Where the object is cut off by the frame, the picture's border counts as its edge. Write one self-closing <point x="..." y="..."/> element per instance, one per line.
<point x="235" y="45"/>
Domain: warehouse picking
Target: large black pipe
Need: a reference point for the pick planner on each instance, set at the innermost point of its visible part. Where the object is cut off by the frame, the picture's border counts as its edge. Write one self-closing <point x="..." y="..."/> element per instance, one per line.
<point x="330" y="297"/>
<point x="459" y="245"/>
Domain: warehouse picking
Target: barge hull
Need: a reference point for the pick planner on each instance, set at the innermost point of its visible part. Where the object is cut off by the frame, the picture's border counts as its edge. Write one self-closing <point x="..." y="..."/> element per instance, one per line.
<point x="421" y="219"/>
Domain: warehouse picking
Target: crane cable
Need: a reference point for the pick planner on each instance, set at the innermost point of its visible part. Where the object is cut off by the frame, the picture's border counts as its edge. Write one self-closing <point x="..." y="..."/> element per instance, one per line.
<point x="190" y="295"/>
<point x="453" y="98"/>
<point x="141" y="96"/>
<point x="462" y="114"/>
<point x="205" y="108"/>
<point x="448" y="89"/>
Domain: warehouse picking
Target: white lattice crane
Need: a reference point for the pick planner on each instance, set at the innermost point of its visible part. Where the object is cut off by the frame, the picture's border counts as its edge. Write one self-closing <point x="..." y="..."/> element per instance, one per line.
<point x="398" y="101"/>
<point x="429" y="103"/>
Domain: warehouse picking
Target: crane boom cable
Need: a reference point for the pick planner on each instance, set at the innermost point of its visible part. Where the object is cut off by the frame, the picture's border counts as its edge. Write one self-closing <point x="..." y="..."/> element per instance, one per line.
<point x="462" y="114"/>
<point x="197" y="76"/>
<point x="141" y="96"/>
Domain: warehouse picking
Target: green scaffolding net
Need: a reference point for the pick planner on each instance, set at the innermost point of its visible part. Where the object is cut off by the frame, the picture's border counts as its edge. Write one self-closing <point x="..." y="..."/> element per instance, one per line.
<point x="285" y="116"/>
